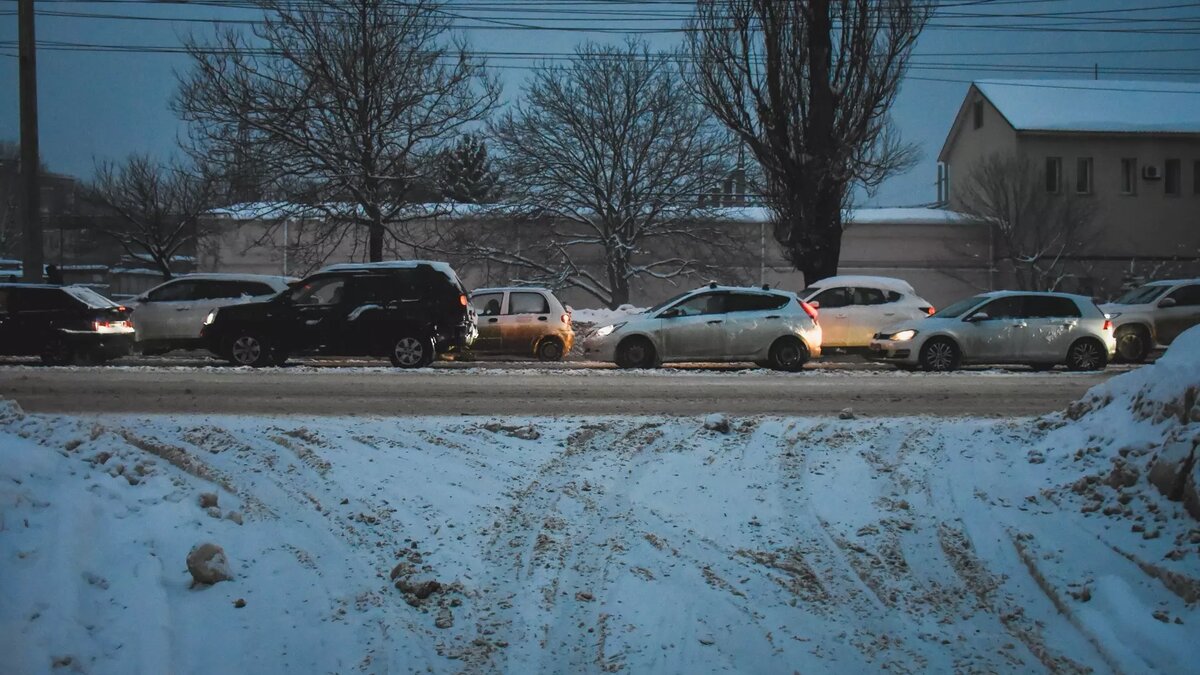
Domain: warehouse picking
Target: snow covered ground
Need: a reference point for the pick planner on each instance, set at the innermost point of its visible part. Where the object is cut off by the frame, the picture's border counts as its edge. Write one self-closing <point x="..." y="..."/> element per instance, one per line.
<point x="610" y="544"/>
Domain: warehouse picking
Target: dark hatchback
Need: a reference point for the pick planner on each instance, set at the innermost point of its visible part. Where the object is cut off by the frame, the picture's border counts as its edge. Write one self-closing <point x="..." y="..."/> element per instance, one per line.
<point x="62" y="324"/>
<point x="409" y="311"/>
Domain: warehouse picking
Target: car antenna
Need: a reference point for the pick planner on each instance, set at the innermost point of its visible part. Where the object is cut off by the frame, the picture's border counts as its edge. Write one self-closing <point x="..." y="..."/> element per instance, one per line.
<point x="766" y="287"/>
<point x="712" y="284"/>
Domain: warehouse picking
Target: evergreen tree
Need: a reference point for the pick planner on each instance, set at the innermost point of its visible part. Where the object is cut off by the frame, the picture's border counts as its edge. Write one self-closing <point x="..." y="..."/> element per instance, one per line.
<point x="467" y="175"/>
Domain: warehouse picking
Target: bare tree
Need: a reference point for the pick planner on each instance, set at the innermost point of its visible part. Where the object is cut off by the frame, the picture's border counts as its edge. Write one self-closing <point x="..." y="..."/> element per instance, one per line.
<point x="806" y="85"/>
<point x="1037" y="230"/>
<point x="605" y="161"/>
<point x="153" y="210"/>
<point x="340" y="105"/>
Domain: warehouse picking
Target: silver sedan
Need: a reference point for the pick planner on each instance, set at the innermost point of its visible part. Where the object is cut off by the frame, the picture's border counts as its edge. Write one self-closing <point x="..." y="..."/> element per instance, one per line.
<point x="1038" y="329"/>
<point x="713" y="323"/>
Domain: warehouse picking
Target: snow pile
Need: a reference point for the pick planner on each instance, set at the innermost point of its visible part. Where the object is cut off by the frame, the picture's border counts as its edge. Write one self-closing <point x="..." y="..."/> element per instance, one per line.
<point x="1144" y="430"/>
<point x="598" y="544"/>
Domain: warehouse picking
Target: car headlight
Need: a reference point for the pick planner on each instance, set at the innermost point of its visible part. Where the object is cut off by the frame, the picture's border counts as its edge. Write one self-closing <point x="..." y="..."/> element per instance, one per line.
<point x="608" y="330"/>
<point x="903" y="336"/>
<point x="212" y="316"/>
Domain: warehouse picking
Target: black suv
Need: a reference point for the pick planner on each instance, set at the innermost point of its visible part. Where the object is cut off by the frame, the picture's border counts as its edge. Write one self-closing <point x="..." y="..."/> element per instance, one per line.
<point x="62" y="324"/>
<point x="408" y="310"/>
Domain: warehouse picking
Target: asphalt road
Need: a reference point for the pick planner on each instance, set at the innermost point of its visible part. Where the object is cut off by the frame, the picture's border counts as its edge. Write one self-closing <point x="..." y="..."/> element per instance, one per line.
<point x="515" y="390"/>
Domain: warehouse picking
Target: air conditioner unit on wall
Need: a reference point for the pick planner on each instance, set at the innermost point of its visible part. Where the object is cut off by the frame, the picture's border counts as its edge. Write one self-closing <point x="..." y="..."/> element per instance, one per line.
<point x="1151" y="172"/>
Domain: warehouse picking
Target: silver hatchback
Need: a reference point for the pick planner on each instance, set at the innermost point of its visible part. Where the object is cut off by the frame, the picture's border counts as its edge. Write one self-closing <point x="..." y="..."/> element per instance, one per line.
<point x="714" y="323"/>
<point x="1038" y="329"/>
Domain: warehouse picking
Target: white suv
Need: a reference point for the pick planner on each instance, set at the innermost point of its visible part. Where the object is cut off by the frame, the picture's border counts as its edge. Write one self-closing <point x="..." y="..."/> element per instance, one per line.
<point x="854" y="308"/>
<point x="170" y="315"/>
<point x="1153" y="315"/>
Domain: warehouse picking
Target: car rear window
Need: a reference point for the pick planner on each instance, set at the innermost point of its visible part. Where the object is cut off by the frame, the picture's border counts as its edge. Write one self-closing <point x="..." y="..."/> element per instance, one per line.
<point x="1049" y="307"/>
<point x="527" y="303"/>
<point x="89" y="297"/>
<point x="42" y="300"/>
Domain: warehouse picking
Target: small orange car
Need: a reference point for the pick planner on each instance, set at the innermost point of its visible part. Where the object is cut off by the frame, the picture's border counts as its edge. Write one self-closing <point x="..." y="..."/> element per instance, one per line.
<point x="522" y="321"/>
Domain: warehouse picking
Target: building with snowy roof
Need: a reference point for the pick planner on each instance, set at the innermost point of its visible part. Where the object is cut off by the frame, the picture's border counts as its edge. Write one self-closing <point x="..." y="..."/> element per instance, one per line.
<point x="1131" y="149"/>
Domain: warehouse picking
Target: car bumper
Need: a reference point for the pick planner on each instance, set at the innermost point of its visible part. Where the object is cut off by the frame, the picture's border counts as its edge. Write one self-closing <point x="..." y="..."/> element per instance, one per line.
<point x="599" y="348"/>
<point x="104" y="345"/>
<point x="894" y="351"/>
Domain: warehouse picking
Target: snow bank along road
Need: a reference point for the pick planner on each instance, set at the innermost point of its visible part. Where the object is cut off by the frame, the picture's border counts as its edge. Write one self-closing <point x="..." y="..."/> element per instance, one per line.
<point x="385" y="391"/>
<point x="605" y="544"/>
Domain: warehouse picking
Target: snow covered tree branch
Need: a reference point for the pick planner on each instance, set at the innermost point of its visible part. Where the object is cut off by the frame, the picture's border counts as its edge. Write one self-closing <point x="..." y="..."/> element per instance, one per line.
<point x="807" y="85"/>
<point x="1037" y="231"/>
<point x="607" y="161"/>
<point x="339" y="106"/>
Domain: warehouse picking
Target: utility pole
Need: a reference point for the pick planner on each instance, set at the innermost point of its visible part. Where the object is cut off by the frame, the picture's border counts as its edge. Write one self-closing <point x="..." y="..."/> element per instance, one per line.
<point x="31" y="208"/>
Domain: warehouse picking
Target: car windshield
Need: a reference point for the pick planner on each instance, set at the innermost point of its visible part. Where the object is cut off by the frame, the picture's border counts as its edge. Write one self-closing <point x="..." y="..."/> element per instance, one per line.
<point x="959" y="308"/>
<point x="89" y="297"/>
<point x="667" y="303"/>
<point x="1141" y="295"/>
<point x="810" y="292"/>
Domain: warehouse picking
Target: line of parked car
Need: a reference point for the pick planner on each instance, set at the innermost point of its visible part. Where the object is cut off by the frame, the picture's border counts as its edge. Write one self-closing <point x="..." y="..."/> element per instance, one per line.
<point x="414" y="311"/>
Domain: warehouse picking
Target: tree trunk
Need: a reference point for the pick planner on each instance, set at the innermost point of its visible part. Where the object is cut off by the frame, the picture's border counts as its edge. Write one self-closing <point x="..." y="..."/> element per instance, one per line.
<point x="375" y="244"/>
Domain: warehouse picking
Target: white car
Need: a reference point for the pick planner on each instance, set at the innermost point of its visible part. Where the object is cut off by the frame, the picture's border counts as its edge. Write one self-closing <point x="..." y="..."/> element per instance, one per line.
<point x="170" y="315"/>
<point x="1038" y="329"/>
<point x="713" y="323"/>
<point x="854" y="308"/>
<point x="1153" y="315"/>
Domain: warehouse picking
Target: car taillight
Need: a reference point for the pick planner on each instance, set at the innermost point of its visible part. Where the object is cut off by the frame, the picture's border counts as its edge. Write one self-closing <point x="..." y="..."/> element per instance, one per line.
<point x="929" y="310"/>
<point x="566" y="319"/>
<point x="111" y="326"/>
<point x="462" y="300"/>
<point x="809" y="310"/>
<point x="1108" y="325"/>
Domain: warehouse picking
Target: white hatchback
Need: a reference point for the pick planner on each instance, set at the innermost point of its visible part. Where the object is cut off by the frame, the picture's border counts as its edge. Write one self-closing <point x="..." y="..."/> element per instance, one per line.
<point x="170" y="315"/>
<point x="854" y="308"/>
<point x="713" y="323"/>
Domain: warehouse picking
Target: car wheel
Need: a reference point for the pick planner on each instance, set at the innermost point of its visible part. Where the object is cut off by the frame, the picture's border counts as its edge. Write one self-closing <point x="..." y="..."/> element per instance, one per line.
<point x="412" y="351"/>
<point x="635" y="352"/>
<point x="1087" y="354"/>
<point x="57" y="353"/>
<point x="1133" y="344"/>
<point x="788" y="354"/>
<point x="550" y="349"/>
<point x="940" y="355"/>
<point x="249" y="349"/>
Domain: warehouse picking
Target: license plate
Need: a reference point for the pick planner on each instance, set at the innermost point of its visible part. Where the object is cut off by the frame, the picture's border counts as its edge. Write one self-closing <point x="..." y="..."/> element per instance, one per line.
<point x="876" y="348"/>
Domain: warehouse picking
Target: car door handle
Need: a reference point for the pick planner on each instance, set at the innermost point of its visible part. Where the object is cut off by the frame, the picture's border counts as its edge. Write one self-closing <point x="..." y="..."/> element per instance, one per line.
<point x="773" y="316"/>
<point x="1020" y="324"/>
<point x="715" y="321"/>
<point x="312" y="322"/>
<point x="541" y="318"/>
<point x="493" y="320"/>
<point x="182" y="309"/>
<point x="889" y="314"/>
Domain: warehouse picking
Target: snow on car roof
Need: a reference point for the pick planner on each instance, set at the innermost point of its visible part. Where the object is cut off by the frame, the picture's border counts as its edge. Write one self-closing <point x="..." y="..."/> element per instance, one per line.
<point x="231" y="276"/>
<point x="512" y="289"/>
<point x="438" y="265"/>
<point x="885" y="283"/>
<point x="1096" y="105"/>
<point x="1052" y="294"/>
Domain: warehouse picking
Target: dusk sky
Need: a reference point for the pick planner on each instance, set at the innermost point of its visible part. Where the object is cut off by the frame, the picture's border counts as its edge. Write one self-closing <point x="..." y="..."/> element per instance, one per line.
<point x="106" y="78"/>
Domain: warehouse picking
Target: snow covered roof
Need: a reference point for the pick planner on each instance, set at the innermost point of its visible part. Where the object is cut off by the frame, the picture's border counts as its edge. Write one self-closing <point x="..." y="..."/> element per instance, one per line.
<point x="283" y="210"/>
<point x="1109" y="106"/>
<point x="902" y="215"/>
<point x="438" y="265"/>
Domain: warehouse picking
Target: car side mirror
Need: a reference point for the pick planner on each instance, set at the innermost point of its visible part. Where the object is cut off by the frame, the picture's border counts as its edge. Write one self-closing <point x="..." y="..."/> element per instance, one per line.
<point x="815" y="304"/>
<point x="142" y="298"/>
<point x="1167" y="303"/>
<point x="976" y="318"/>
<point x="669" y="314"/>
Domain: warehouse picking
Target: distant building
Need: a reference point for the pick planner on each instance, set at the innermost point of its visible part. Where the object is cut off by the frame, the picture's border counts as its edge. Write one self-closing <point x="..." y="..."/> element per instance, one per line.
<point x="1132" y="146"/>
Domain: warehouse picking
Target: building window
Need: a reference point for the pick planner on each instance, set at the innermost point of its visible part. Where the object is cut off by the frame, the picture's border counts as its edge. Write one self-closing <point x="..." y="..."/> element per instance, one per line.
<point x="977" y="113"/>
<point x="1129" y="176"/>
<point x="1083" y="175"/>
<point x="1171" y="177"/>
<point x="1053" y="174"/>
